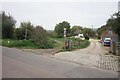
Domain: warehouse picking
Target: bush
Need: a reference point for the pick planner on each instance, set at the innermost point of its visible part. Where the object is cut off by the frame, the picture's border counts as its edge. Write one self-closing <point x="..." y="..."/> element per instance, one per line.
<point x="27" y="44"/>
<point x="47" y="45"/>
<point x="86" y="37"/>
<point x="84" y="44"/>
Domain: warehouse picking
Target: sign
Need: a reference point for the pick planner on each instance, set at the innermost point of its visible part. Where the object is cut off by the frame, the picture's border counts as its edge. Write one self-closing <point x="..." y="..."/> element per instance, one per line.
<point x="64" y="32"/>
<point x="64" y="35"/>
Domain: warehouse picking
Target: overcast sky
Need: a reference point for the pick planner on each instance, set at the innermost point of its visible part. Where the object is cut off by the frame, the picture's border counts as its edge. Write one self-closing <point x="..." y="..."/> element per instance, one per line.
<point x="48" y="14"/>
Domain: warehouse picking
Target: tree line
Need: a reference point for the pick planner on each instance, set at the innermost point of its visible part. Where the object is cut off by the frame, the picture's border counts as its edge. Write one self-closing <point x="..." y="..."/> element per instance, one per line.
<point x="72" y="31"/>
<point x="27" y="31"/>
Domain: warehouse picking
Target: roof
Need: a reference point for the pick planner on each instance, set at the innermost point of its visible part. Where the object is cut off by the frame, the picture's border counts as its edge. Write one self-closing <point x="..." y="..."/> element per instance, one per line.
<point x="109" y="32"/>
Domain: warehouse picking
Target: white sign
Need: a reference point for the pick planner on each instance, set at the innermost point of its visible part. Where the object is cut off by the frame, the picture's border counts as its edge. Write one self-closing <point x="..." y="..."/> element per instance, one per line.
<point x="64" y="32"/>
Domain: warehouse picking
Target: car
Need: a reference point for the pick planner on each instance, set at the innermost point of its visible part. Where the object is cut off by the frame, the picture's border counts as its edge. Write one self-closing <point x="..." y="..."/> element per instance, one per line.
<point x="107" y="41"/>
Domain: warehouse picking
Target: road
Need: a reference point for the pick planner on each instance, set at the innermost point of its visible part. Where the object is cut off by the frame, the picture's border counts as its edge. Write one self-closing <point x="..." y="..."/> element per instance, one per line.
<point x="0" y="62"/>
<point x="21" y="64"/>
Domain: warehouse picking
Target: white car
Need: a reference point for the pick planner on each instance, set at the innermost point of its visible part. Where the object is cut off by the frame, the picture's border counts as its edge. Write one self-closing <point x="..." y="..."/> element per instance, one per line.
<point x="107" y="41"/>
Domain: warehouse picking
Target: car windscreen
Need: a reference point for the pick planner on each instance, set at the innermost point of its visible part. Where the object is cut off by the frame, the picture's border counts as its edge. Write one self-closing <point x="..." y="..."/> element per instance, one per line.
<point x="107" y="40"/>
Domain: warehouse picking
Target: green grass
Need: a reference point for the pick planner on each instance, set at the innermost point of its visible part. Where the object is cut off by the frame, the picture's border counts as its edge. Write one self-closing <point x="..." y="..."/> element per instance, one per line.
<point x="56" y="43"/>
<point x="18" y="43"/>
<point x="29" y="44"/>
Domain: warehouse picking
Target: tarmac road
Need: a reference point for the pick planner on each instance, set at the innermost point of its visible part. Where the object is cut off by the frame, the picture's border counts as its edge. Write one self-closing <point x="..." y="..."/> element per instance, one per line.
<point x="21" y="64"/>
<point x="0" y="62"/>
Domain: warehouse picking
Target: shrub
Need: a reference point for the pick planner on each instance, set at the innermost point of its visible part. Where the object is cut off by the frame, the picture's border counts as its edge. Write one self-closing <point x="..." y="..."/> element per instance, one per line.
<point x="86" y="37"/>
<point x="48" y="44"/>
<point x="17" y="43"/>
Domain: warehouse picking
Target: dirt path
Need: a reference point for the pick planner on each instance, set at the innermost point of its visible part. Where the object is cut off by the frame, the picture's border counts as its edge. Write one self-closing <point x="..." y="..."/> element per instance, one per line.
<point x="94" y="56"/>
<point x="94" y="48"/>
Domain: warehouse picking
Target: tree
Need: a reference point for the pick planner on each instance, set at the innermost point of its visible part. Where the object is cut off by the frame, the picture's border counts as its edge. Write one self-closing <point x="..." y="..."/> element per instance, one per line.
<point x="115" y="21"/>
<point x="59" y="28"/>
<point x="25" y="31"/>
<point x="75" y="30"/>
<point x="88" y="32"/>
<point x="8" y="23"/>
<point x="39" y="35"/>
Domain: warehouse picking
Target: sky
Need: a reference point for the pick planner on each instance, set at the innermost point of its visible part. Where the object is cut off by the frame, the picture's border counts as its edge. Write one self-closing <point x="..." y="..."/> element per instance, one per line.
<point x="49" y="13"/>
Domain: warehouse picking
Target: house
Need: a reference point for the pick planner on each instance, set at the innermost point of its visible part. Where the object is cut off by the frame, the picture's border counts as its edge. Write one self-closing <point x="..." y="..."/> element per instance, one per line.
<point x="109" y="33"/>
<point x="81" y="36"/>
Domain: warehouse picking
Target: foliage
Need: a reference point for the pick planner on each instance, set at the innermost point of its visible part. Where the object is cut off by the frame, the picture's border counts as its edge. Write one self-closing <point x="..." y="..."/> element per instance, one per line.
<point x="116" y="23"/>
<point x="86" y="37"/>
<point x="78" y="43"/>
<point x="75" y="30"/>
<point x="51" y="34"/>
<point x="101" y="30"/>
<point x="26" y="44"/>
<point x="20" y="32"/>
<point x="39" y="36"/>
<point x="87" y="32"/>
<point x="47" y="44"/>
<point x="84" y="44"/>
<point x="28" y="36"/>
<point x="59" y="29"/>
<point x="18" y="43"/>
<point x="8" y="23"/>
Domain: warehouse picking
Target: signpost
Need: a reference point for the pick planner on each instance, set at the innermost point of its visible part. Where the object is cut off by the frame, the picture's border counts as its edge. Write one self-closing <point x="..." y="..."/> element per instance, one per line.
<point x="65" y="38"/>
